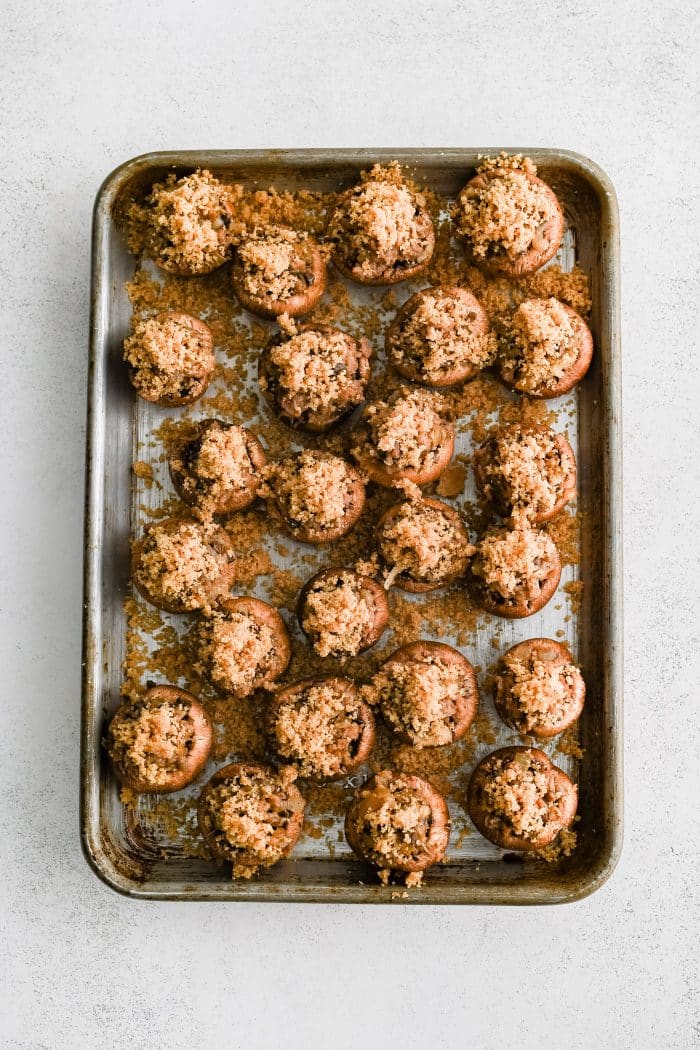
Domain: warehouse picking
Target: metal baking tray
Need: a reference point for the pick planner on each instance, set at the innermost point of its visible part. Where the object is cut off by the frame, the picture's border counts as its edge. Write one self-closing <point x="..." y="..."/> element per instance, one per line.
<point x="126" y="848"/>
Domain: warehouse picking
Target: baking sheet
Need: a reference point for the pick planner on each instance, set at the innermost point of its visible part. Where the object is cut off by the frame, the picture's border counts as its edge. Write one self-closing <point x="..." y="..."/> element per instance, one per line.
<point x="133" y="848"/>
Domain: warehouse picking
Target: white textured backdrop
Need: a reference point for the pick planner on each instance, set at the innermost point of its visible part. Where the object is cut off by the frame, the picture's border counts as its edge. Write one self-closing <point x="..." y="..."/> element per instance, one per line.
<point x="85" y="86"/>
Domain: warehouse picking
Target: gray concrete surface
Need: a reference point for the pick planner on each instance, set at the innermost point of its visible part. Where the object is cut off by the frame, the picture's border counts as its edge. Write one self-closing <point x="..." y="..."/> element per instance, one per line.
<point x="86" y="85"/>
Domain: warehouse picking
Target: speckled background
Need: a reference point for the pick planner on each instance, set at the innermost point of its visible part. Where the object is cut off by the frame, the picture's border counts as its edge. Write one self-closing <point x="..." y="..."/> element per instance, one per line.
<point x="87" y="85"/>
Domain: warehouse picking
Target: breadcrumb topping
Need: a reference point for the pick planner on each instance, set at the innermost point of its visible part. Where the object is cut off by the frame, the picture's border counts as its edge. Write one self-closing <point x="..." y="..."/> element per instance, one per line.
<point x="317" y="370"/>
<point x="407" y="432"/>
<point x="521" y="796"/>
<point x="382" y="225"/>
<point x="236" y="650"/>
<point x="424" y="543"/>
<point x="419" y="698"/>
<point x="168" y="356"/>
<point x="339" y="614"/>
<point x="276" y="263"/>
<point x="319" y="729"/>
<point x="539" y="345"/>
<point x="507" y="215"/>
<point x="524" y="468"/>
<point x="250" y="816"/>
<point x="187" y="223"/>
<point x="511" y="562"/>
<point x="393" y="824"/>
<point x="215" y="464"/>
<point x="444" y="332"/>
<point x="538" y="691"/>
<point x="180" y="564"/>
<point x="149" y="743"/>
<point x="312" y="489"/>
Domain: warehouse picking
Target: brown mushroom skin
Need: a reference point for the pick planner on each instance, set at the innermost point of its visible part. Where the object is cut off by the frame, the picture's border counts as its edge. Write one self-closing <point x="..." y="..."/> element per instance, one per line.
<point x="319" y="537"/>
<point x="421" y="652"/>
<point x="379" y="598"/>
<point x="191" y="764"/>
<point x="509" y="840"/>
<point x="373" y="790"/>
<point x="484" y="457"/>
<point x="321" y="420"/>
<point x="412" y="370"/>
<point x="199" y="382"/>
<point x="393" y="274"/>
<point x="296" y="305"/>
<point x="525" y="607"/>
<point x="546" y="244"/>
<point x="219" y="586"/>
<point x="295" y="820"/>
<point x="578" y="369"/>
<point x="358" y="750"/>
<point x="263" y="612"/>
<point x="408" y="583"/>
<point x="235" y="500"/>
<point x="548" y="649"/>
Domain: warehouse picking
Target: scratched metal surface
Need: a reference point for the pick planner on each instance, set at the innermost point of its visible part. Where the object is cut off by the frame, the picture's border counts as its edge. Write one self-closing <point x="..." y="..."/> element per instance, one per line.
<point x="132" y="850"/>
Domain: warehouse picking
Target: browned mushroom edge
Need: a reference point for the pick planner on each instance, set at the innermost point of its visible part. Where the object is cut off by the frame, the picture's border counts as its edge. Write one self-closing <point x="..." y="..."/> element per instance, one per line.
<point x="482" y="817"/>
<point x="367" y="584"/>
<point x="218" y="540"/>
<point x="190" y="764"/>
<point x="359" y="736"/>
<point x="549" y="650"/>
